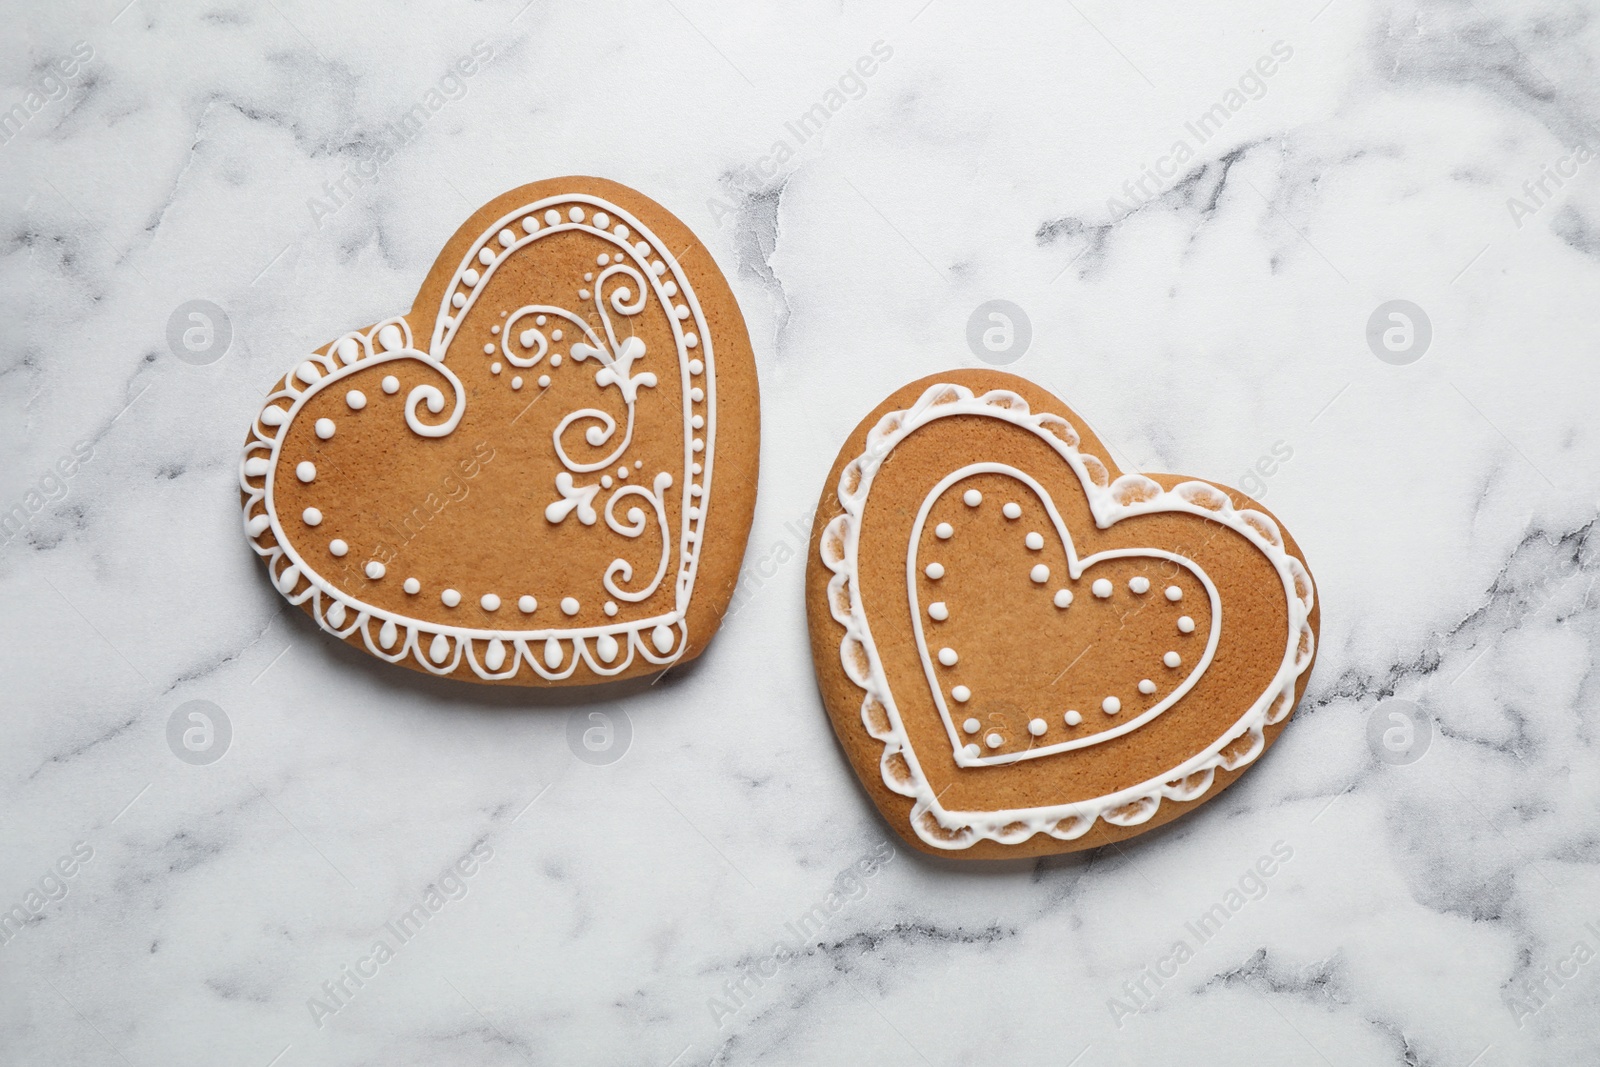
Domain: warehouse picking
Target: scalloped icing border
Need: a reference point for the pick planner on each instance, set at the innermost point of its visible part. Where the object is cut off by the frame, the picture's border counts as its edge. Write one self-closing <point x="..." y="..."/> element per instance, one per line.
<point x="1109" y="502"/>
<point x="503" y="652"/>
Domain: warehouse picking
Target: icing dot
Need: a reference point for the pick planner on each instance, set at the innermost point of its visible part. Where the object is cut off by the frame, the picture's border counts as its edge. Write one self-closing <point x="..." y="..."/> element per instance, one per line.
<point x="610" y="607"/>
<point x="638" y="463"/>
<point x="671" y="288"/>
<point x="1101" y="588"/>
<point x="1072" y="718"/>
<point x="1139" y="584"/>
<point x="1063" y="597"/>
<point x="1172" y="659"/>
<point x="605" y="481"/>
<point x="375" y="570"/>
<point x="971" y="726"/>
<point x="602" y="259"/>
<point x="516" y="383"/>
<point x="576" y="214"/>
<point x="311" y="516"/>
<point x="994" y="740"/>
<point x="508" y="238"/>
<point x="305" y="470"/>
<point x="555" y="359"/>
<point x="972" y="498"/>
<point x="485" y="256"/>
<point x="391" y="384"/>
<point x="1174" y="594"/>
<point x="569" y="605"/>
<point x="1185" y="625"/>
<point x="530" y="224"/>
<point x="540" y="320"/>
<point x="1012" y="510"/>
<point x="601" y="219"/>
<point x="642" y="250"/>
<point x="621" y="231"/>
<point x="1111" y="705"/>
<point x="552" y="216"/>
<point x="622" y="474"/>
<point x="1034" y="541"/>
<point x="470" y="276"/>
<point x="1037" y="727"/>
<point x="698" y="422"/>
<point x="696" y="367"/>
<point x="932" y="570"/>
<point x="488" y="350"/>
<point x="947" y="656"/>
<point x="681" y="311"/>
<point x="338" y="547"/>
<point x="356" y="399"/>
<point x="544" y="381"/>
<point x="662" y="638"/>
<point x="526" y="604"/>
<point x="450" y="598"/>
<point x="460" y="300"/>
<point x="583" y="294"/>
<point x="495" y="368"/>
<point x="690" y="339"/>
<point x="697" y="394"/>
<point x="324" y="428"/>
<point x="495" y="329"/>
<point x="1146" y="686"/>
<point x="938" y="612"/>
<point x="412" y="586"/>
<point x="489" y="602"/>
<point x="944" y="531"/>
<point x="962" y="695"/>
<point x="1040" y="573"/>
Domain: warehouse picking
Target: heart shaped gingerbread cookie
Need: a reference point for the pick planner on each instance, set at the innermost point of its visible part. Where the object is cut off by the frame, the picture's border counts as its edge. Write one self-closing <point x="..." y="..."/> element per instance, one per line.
<point x="1026" y="651"/>
<point x="512" y="482"/>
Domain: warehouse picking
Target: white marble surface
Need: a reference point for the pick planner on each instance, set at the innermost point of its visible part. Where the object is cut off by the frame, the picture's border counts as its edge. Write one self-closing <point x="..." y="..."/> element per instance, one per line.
<point x="1447" y="507"/>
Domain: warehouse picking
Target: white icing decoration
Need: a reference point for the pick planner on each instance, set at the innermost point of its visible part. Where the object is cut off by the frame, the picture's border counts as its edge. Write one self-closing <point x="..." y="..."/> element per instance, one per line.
<point x="306" y="471"/>
<point x="338" y="547"/>
<point x="526" y="604"/>
<point x="391" y="384"/>
<point x="450" y="598"/>
<point x="948" y="657"/>
<point x="356" y="399"/>
<point x="1040" y="574"/>
<point x="1062" y="598"/>
<point x="1037" y="727"/>
<point x="375" y="570"/>
<point x="994" y="740"/>
<point x="489" y="602"/>
<point x="972" y="726"/>
<point x="962" y="695"/>
<point x="1101" y="588"/>
<point x="972" y="498"/>
<point x="1172" y="659"/>
<point x="311" y="517"/>
<point x="1034" y="540"/>
<point x="1012" y="510"/>
<point x="956" y="829"/>
<point x="659" y="638"/>
<point x="934" y="571"/>
<point x="938" y="612"/>
<point x="324" y="428"/>
<point x="412" y="586"/>
<point x="1111" y="705"/>
<point x="1139" y="584"/>
<point x="944" y="531"/>
<point x="1174" y="594"/>
<point x="1146" y="686"/>
<point x="569" y="605"/>
<point x="1185" y="625"/>
<point x="1072" y="718"/>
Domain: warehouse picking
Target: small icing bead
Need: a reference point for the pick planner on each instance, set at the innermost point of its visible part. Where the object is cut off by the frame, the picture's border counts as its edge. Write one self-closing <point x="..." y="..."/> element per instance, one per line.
<point x="1146" y="686"/>
<point x="972" y="498"/>
<point x="962" y="694"/>
<point x="1174" y="594"/>
<point x="932" y="570"/>
<point x="306" y="471"/>
<point x="412" y="586"/>
<point x="356" y="399"/>
<point x="1037" y="727"/>
<point x="938" y="612"/>
<point x="311" y="517"/>
<point x="338" y="547"/>
<point x="1034" y="540"/>
<point x="1101" y="588"/>
<point x="971" y="726"/>
<point x="324" y="428"/>
<point x="944" y="531"/>
<point x="1040" y="574"/>
<point x="1012" y="510"/>
<point x="1172" y="659"/>
<point x="526" y="604"/>
<point x="1139" y="584"/>
<point x="1063" y="597"/>
<point x="1111" y="705"/>
<point x="450" y="598"/>
<point x="1185" y="625"/>
<point x="391" y="384"/>
<point x="1072" y="718"/>
<point x="947" y="656"/>
<point x="994" y="740"/>
<point x="569" y="605"/>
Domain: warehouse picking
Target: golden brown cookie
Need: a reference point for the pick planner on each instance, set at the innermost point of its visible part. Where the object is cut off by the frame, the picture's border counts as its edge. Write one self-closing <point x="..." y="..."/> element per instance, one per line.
<point x="513" y="481"/>
<point x="1026" y="651"/>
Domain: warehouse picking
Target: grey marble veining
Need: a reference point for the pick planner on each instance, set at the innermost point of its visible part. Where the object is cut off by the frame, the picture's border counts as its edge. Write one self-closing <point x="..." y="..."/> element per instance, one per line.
<point x="712" y="886"/>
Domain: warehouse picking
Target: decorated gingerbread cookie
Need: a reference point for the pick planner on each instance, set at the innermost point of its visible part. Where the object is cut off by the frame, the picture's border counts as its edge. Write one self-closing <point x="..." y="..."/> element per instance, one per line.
<point x="1025" y="650"/>
<point x="543" y="473"/>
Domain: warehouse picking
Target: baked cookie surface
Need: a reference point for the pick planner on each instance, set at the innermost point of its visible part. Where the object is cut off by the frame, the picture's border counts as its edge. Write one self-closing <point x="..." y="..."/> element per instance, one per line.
<point x="1024" y="650"/>
<point x="513" y="481"/>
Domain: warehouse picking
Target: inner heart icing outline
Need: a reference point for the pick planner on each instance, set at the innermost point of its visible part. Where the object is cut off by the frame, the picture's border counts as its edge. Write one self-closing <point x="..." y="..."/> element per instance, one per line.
<point x="1109" y="502"/>
<point x="643" y="268"/>
<point x="965" y="746"/>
